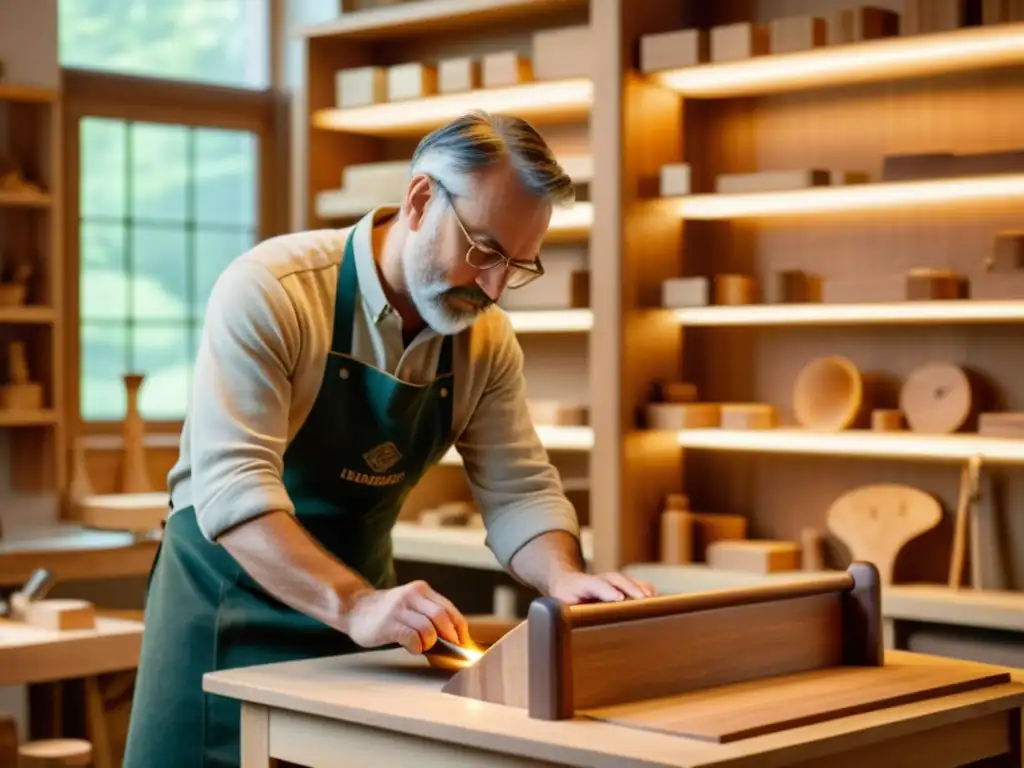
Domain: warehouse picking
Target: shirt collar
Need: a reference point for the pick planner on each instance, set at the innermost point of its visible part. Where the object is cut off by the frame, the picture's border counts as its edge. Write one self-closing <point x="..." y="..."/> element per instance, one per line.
<point x="370" y="288"/>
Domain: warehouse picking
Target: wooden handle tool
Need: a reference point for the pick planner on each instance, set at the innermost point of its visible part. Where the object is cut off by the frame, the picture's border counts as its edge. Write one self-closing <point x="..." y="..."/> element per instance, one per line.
<point x="968" y="497"/>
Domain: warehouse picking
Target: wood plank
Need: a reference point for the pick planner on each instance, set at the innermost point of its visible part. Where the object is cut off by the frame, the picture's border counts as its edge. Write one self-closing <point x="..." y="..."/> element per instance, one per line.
<point x="744" y="710"/>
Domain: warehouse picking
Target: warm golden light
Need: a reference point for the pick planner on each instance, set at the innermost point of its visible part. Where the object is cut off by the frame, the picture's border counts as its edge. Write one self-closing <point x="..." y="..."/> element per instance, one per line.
<point x="965" y="311"/>
<point x="862" y="443"/>
<point x="874" y="60"/>
<point x="850" y="198"/>
<point x="558" y="100"/>
<point x="552" y="321"/>
<point x="577" y="218"/>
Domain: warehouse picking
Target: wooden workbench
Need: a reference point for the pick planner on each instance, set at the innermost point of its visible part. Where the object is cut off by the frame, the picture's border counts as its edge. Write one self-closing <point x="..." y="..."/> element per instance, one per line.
<point x="386" y="708"/>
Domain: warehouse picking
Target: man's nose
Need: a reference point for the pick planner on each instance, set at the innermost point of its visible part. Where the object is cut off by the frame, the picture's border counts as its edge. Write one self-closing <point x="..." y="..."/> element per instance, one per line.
<point x="492" y="281"/>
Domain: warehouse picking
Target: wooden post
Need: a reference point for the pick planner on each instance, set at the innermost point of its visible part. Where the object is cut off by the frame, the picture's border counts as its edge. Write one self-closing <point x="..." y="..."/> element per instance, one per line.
<point x="862" y="617"/>
<point x="550" y="654"/>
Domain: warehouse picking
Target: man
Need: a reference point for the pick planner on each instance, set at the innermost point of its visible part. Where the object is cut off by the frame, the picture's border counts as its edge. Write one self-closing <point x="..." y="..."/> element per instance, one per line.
<point x="336" y="367"/>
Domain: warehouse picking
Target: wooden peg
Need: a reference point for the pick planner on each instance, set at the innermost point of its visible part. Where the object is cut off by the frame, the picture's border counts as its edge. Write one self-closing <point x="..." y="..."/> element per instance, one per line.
<point x="134" y="473"/>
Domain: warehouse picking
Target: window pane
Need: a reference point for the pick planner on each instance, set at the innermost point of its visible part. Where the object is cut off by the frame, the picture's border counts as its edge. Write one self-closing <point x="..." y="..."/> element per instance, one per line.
<point x="103" y="283"/>
<point x="213" y="41"/>
<point x="214" y="251"/>
<point x="160" y="274"/>
<point x="104" y="363"/>
<point x="225" y="177"/>
<point x="159" y="163"/>
<point x="161" y="352"/>
<point x="103" y="167"/>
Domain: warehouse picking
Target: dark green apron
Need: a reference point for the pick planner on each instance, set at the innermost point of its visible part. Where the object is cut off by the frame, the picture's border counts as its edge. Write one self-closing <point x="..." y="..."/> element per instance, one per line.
<point x="367" y="441"/>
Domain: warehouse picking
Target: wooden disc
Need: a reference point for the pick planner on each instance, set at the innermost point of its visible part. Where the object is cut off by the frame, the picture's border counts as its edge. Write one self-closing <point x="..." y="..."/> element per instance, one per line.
<point x="53" y="753"/>
<point x="827" y="395"/>
<point x="936" y="398"/>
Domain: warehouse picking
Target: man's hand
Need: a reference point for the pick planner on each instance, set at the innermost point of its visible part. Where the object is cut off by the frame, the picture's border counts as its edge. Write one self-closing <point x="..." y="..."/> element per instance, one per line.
<point x="578" y="587"/>
<point x="412" y="615"/>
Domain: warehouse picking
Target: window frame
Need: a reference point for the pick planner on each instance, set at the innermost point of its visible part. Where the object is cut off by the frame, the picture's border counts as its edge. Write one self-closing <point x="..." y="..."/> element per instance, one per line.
<point x="89" y="94"/>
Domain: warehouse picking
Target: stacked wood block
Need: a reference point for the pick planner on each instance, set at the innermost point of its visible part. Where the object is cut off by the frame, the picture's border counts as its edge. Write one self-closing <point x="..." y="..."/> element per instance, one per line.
<point x="1003" y="277"/>
<point x="686" y="536"/>
<point x="852" y="25"/>
<point x="674" y="50"/>
<point x="794" y="286"/>
<point x="919" y="284"/>
<point x="562" y="53"/>
<point x="924" y="16"/>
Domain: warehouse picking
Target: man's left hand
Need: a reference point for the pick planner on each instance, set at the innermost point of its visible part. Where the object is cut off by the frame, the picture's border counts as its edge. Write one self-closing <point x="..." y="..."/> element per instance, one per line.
<point x="578" y="587"/>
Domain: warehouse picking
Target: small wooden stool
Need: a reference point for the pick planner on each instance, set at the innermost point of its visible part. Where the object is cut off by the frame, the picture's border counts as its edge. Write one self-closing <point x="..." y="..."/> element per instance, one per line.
<point x="54" y="753"/>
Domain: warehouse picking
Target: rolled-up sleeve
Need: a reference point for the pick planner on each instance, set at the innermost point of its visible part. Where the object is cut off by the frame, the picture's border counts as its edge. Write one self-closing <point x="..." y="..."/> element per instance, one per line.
<point x="240" y="399"/>
<point x="517" y="489"/>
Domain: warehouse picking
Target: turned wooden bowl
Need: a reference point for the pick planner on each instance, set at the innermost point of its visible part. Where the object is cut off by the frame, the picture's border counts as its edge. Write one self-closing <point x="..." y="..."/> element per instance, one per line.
<point x="828" y="394"/>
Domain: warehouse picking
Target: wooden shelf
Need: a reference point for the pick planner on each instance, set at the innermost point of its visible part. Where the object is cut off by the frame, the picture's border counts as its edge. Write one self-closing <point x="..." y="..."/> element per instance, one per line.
<point x="886" y="59"/>
<point x="420" y="18"/>
<point x="24" y="199"/>
<point x="555" y="101"/>
<point x="30" y="94"/>
<point x="857" y="443"/>
<point x="28" y="418"/>
<point x="553" y="438"/>
<point x="853" y="197"/>
<point x="552" y="321"/>
<point x="455" y="546"/>
<point x="894" y="313"/>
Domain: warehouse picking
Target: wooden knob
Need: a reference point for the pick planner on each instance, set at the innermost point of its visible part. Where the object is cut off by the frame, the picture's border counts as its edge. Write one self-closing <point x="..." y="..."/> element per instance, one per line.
<point x="828" y="394"/>
<point x="54" y="753"/>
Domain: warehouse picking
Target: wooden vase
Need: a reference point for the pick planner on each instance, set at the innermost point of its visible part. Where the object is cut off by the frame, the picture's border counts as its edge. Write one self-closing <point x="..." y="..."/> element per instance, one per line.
<point x="134" y="472"/>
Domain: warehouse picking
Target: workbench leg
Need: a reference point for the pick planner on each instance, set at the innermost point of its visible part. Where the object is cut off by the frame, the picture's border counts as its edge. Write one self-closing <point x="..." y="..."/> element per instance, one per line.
<point x="255" y="737"/>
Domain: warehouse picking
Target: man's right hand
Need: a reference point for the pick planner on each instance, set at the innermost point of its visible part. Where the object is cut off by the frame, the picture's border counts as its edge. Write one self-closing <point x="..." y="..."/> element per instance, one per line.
<point x="412" y="615"/>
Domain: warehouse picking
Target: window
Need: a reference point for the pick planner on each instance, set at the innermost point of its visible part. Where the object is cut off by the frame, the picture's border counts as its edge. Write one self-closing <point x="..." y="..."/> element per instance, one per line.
<point x="222" y="42"/>
<point x="163" y="209"/>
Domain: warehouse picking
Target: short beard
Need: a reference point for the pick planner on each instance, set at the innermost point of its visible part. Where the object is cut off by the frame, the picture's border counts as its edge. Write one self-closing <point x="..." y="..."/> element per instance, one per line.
<point x="441" y="305"/>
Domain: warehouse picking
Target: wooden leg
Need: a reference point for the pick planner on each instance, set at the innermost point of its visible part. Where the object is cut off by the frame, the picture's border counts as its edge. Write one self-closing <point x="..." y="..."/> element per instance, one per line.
<point x="255" y="737"/>
<point x="96" y="724"/>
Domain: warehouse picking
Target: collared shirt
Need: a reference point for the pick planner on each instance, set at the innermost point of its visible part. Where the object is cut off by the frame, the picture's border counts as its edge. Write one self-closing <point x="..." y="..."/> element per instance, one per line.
<point x="260" y="364"/>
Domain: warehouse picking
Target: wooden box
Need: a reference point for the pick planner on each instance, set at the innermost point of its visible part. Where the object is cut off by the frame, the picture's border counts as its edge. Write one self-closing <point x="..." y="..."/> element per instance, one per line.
<point x="458" y="75"/>
<point x="797" y="33"/>
<point x="674" y="50"/>
<point x="562" y="53"/>
<point x="685" y="292"/>
<point x="504" y="69"/>
<point x="360" y="87"/>
<point x="411" y="81"/>
<point x="852" y="25"/>
<point x="754" y="556"/>
<point x="744" y="40"/>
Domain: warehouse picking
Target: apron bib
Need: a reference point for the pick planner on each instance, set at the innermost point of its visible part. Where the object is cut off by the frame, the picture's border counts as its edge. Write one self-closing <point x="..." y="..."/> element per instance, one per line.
<point x="368" y="440"/>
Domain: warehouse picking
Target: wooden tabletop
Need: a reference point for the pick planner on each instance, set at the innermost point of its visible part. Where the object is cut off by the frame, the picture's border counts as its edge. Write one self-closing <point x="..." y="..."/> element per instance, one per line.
<point x="396" y="691"/>
<point x="30" y="654"/>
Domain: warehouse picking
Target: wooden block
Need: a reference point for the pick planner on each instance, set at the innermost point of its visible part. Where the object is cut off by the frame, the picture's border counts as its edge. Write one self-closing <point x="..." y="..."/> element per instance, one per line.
<point x="674" y="50"/>
<point x="709" y="527"/>
<point x="998" y="286"/>
<point x="1002" y="11"/>
<point x="754" y="556"/>
<point x="733" y="42"/>
<point x="1009" y="424"/>
<point x="852" y="25"/>
<point x="21" y="397"/>
<point x="388" y="178"/>
<point x="1007" y="254"/>
<point x="504" y="69"/>
<point x="771" y="181"/>
<point x="685" y="292"/>
<point x="887" y="420"/>
<point x="674" y="180"/>
<point x="676" y="416"/>
<point x="855" y="290"/>
<point x="925" y="284"/>
<point x="812" y="549"/>
<point x="988" y="163"/>
<point x="676" y="537"/>
<point x="579" y="289"/>
<point x="794" y="286"/>
<point x="458" y="75"/>
<point x="676" y="392"/>
<point x="56" y="615"/>
<point x="411" y="81"/>
<point x="360" y="87"/>
<point x="563" y="53"/>
<point x="735" y="290"/>
<point x="797" y="33"/>
<point x="930" y="165"/>
<point x="845" y="178"/>
<point x="748" y="416"/>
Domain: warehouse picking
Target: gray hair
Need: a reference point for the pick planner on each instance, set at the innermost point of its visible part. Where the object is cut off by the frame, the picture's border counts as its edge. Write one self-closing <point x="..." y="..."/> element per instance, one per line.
<point x="469" y="144"/>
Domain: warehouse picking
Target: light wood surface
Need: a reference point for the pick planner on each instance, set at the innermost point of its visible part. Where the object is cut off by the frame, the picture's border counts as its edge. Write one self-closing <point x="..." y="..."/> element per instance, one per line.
<point x="31" y="655"/>
<point x="72" y="552"/>
<point x="392" y="698"/>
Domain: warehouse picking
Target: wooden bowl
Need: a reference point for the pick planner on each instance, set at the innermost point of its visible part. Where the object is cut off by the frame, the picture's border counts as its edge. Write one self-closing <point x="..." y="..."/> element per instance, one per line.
<point x="485" y="632"/>
<point x="828" y="394"/>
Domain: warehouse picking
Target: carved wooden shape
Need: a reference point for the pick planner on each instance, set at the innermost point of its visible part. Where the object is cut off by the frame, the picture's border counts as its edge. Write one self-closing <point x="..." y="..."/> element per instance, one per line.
<point x="134" y="473"/>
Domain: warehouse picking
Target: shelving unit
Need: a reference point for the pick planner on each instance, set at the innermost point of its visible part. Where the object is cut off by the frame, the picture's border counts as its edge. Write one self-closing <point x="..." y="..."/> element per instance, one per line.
<point x="30" y="237"/>
<point x="837" y="106"/>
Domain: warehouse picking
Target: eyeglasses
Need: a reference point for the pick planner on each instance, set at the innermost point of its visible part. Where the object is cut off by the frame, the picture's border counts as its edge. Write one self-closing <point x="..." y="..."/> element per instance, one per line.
<point x="517" y="273"/>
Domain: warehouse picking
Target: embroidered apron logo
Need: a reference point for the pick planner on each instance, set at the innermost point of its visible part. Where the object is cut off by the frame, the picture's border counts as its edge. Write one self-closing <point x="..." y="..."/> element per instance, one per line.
<point x="380" y="460"/>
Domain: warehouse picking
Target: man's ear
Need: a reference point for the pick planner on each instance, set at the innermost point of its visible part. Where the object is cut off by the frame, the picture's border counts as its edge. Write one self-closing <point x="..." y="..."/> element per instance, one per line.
<point x="417" y="195"/>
